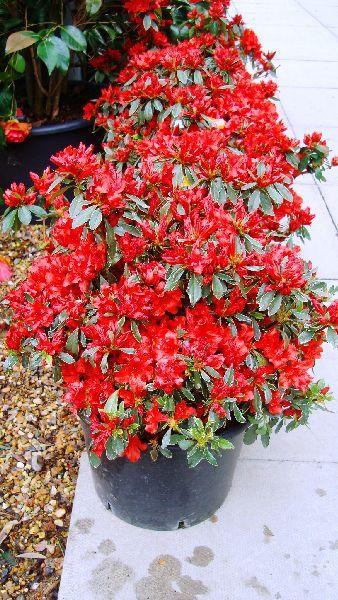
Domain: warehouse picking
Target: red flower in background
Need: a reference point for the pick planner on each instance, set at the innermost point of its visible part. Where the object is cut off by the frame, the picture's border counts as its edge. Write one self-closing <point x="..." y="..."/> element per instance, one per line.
<point x="5" y="269"/>
<point x="15" y="131"/>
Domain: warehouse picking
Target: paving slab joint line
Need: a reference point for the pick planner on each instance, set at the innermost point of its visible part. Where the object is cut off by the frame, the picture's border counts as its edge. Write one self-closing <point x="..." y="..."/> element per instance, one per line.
<point x="289" y="460"/>
<point x="316" y="19"/>
<point x="326" y="204"/>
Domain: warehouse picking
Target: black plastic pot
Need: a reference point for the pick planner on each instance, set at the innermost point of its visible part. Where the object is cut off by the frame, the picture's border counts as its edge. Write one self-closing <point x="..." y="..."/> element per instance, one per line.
<point x="165" y="494"/>
<point x="17" y="160"/>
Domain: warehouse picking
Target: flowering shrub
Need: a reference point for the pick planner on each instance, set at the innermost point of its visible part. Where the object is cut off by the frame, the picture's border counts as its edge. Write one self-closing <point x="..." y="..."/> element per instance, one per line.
<point x="172" y="300"/>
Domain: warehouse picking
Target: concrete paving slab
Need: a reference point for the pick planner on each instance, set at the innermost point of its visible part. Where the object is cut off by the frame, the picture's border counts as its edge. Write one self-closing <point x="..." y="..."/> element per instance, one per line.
<point x="275" y="537"/>
<point x="307" y="74"/>
<point x="318" y="441"/>
<point x="324" y="256"/>
<point x="330" y="193"/>
<point x="325" y="13"/>
<point x="290" y="16"/>
<point x="309" y="108"/>
<point x="297" y="42"/>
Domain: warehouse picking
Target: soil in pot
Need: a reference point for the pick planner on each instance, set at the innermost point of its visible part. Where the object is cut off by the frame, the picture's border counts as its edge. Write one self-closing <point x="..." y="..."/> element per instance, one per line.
<point x="166" y="494"/>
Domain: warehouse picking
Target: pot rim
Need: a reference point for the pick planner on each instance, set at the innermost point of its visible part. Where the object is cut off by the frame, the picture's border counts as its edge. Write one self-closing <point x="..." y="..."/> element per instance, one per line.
<point x="59" y="127"/>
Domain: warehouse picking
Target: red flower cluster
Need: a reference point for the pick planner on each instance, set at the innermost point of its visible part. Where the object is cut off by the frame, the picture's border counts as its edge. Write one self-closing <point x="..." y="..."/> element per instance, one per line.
<point x="169" y="301"/>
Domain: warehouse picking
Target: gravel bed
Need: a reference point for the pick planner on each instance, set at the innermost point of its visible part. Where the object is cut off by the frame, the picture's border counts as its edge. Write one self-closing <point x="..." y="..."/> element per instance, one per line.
<point x="40" y="446"/>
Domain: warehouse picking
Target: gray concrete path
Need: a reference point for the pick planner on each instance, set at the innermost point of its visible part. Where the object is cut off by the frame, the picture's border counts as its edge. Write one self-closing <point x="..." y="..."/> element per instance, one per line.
<point x="277" y="534"/>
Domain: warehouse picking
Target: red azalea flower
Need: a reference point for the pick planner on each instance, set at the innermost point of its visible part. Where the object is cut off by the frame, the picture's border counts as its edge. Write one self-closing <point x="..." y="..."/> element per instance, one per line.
<point x="17" y="195"/>
<point x="134" y="448"/>
<point x="183" y="411"/>
<point x="153" y="417"/>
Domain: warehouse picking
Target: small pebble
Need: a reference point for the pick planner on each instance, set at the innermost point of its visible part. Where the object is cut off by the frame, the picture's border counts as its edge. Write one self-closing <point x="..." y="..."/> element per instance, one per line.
<point x="58" y="522"/>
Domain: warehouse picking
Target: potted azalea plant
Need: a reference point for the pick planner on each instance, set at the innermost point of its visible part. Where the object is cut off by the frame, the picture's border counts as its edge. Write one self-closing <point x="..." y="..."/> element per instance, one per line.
<point x="173" y="301"/>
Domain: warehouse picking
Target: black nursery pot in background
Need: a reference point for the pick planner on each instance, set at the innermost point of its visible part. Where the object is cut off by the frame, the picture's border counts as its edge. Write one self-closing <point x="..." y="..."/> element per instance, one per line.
<point x="165" y="494"/>
<point x="17" y="160"/>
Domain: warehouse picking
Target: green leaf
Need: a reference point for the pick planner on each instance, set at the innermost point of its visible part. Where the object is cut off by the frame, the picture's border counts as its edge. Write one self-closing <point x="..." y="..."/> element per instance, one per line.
<point x="265" y="300"/>
<point x="182" y="76"/>
<point x="147" y="22"/>
<point x="275" y="305"/>
<point x="218" y="287"/>
<point x="174" y="277"/>
<point x="74" y="38"/>
<point x="266" y="205"/>
<point x="135" y="331"/>
<point x="94" y="459"/>
<point x="93" y="6"/>
<point x="38" y="211"/>
<point x="20" y="40"/>
<point x="82" y="217"/>
<point x="134" y="106"/>
<point x="305" y="337"/>
<point x="25" y="215"/>
<point x="18" y="63"/>
<point x="166" y="452"/>
<point x="54" y="53"/>
<point x="187" y="393"/>
<point x="229" y="376"/>
<point x="111" y="405"/>
<point x="194" y="289"/>
<point x="210" y="457"/>
<point x="8" y="221"/>
<point x="212" y="372"/>
<point x="198" y="78"/>
<point x="238" y="414"/>
<point x="284" y="191"/>
<point x="274" y="194"/>
<point x="95" y="219"/>
<point x="250" y="435"/>
<point x="332" y="337"/>
<point x="217" y="190"/>
<point x="148" y="111"/>
<point x="254" y="200"/>
<point x="158" y="104"/>
<point x="185" y="444"/>
<point x="195" y="458"/>
<point x="166" y="439"/>
<point x="224" y="444"/>
<point x="72" y="344"/>
<point x="292" y="159"/>
<point x="76" y="205"/>
<point x="10" y="361"/>
<point x="67" y="358"/>
<point x="261" y="169"/>
<point x="114" y="447"/>
<point x="257" y="401"/>
<point x="7" y="104"/>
